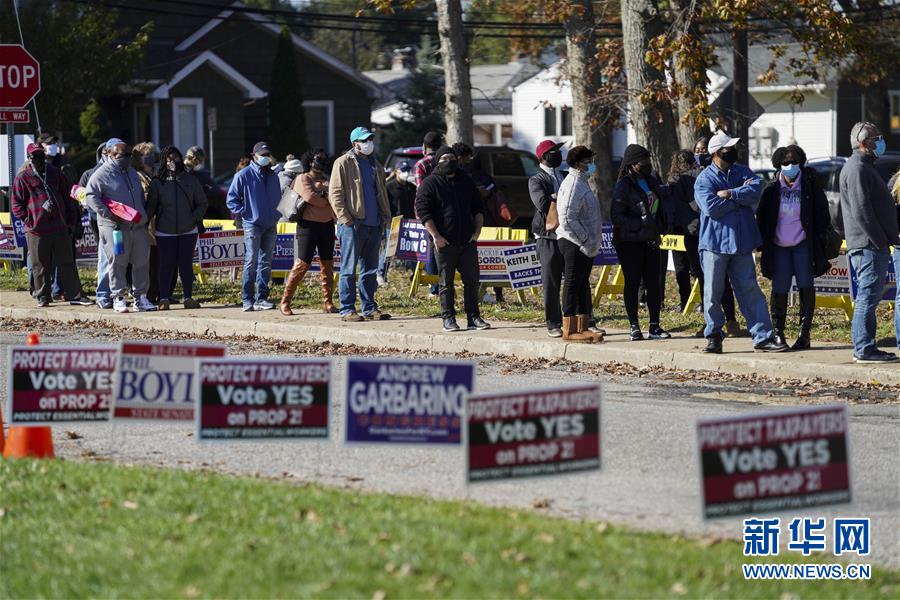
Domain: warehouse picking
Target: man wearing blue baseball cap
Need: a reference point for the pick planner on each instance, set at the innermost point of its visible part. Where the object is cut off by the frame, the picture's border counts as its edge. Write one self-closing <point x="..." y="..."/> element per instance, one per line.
<point x="359" y="199"/>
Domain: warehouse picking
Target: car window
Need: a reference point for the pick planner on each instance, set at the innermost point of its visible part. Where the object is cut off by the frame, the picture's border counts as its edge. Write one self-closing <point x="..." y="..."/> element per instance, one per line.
<point x="886" y="169"/>
<point x="530" y="165"/>
<point x="507" y="164"/>
<point x="827" y="175"/>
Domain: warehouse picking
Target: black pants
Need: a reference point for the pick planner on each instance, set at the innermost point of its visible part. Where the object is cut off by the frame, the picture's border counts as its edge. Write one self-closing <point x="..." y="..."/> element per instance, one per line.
<point x="577" y="271"/>
<point x="176" y="251"/>
<point x="312" y="235"/>
<point x="692" y="243"/>
<point x="551" y="279"/>
<point x="48" y="250"/>
<point x="462" y="258"/>
<point x="640" y="261"/>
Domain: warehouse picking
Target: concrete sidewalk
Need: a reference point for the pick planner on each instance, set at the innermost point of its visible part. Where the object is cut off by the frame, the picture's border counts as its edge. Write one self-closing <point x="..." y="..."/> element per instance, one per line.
<point x="831" y="362"/>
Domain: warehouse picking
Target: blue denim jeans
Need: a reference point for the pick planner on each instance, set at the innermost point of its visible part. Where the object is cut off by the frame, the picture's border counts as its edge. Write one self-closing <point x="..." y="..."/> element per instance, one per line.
<point x="384" y="262"/>
<point x="259" y="243"/>
<point x="103" y="292"/>
<point x="741" y="271"/>
<point x="359" y="250"/>
<point x="871" y="268"/>
<point x="788" y="263"/>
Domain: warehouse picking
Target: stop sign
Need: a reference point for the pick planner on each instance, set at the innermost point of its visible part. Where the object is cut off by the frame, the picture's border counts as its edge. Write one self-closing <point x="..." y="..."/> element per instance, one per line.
<point x="20" y="76"/>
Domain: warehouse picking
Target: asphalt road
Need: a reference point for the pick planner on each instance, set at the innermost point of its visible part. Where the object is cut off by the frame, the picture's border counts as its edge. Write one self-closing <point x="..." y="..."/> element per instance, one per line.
<point x="649" y="479"/>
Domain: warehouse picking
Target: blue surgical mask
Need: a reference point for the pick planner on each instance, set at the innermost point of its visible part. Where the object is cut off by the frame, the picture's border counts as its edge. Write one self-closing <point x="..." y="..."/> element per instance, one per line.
<point x="880" y="147"/>
<point x="263" y="161"/>
<point x="592" y="168"/>
<point x="790" y="171"/>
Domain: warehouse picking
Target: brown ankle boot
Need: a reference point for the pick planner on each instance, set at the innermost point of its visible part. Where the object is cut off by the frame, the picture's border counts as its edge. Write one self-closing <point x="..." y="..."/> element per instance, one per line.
<point x="290" y="285"/>
<point x="571" y="334"/>
<point x="582" y="322"/>
<point x="327" y="274"/>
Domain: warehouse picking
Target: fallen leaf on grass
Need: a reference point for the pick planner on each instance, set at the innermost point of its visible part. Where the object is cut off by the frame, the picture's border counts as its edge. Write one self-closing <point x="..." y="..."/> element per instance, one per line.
<point x="130" y="505"/>
<point x="522" y="588"/>
<point x="541" y="503"/>
<point x="468" y="559"/>
<point x="601" y="527"/>
<point x="191" y="591"/>
<point x="379" y="595"/>
<point x="105" y="503"/>
<point x="192" y="518"/>
<point x="2" y="512"/>
<point x="546" y="538"/>
<point x="678" y="589"/>
<point x="311" y="516"/>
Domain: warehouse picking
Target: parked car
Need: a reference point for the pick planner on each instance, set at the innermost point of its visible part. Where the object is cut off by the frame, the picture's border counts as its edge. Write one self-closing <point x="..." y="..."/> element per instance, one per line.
<point x="828" y="171"/>
<point x="767" y="174"/>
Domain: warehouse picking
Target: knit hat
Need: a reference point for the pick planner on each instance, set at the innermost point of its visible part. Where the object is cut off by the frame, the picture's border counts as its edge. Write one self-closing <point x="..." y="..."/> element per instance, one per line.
<point x="634" y="153"/>
<point x="293" y="166"/>
<point x="442" y="151"/>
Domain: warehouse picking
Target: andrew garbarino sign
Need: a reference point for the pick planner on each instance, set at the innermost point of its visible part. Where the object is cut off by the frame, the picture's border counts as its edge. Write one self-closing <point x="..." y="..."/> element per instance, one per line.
<point x="405" y="401"/>
<point x="54" y="384"/>
<point x="155" y="380"/>
<point x="262" y="398"/>
<point x="532" y="432"/>
<point x="767" y="462"/>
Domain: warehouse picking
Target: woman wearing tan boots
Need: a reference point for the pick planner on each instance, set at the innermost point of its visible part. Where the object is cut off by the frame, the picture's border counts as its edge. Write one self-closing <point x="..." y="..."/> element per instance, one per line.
<point x="315" y="231"/>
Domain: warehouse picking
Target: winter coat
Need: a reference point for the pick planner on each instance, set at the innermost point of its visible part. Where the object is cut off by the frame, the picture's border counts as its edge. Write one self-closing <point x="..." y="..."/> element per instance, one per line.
<point x="631" y="216"/>
<point x="178" y="204"/>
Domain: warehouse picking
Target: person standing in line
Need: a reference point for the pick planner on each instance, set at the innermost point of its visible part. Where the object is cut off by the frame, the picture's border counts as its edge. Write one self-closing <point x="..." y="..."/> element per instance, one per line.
<point x="422" y="169"/>
<point x="450" y="207"/>
<point x="794" y="222"/>
<point x="288" y="174"/>
<point x="579" y="237"/>
<point x="253" y="196"/>
<point x="868" y="219"/>
<point x="639" y="220"/>
<point x="315" y="231"/>
<point x="145" y="160"/>
<point x="102" y="293"/>
<point x="123" y="242"/>
<point x="358" y="196"/>
<point x="543" y="187"/>
<point x="41" y="201"/>
<point x="728" y="195"/>
<point x="177" y="205"/>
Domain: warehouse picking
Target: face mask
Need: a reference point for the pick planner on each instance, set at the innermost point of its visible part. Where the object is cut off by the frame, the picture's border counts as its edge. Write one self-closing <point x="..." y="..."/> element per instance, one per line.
<point x="122" y="162"/>
<point x="53" y="149"/>
<point x="592" y="168"/>
<point x="317" y="165"/>
<point x="730" y="156"/>
<point x="645" y="170"/>
<point x="263" y="161"/>
<point x="553" y="159"/>
<point x="447" y="167"/>
<point x="880" y="147"/>
<point x="39" y="161"/>
<point x="366" y="148"/>
<point x="790" y="171"/>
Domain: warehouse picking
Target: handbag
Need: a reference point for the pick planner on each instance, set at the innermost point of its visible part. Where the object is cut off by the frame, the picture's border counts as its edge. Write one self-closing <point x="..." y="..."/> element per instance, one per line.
<point x="833" y="243"/>
<point x="291" y="205"/>
<point x="552" y="221"/>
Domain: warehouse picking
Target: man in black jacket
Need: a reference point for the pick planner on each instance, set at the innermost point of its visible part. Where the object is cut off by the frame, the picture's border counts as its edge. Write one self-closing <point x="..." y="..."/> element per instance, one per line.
<point x="450" y="208"/>
<point x="542" y="187"/>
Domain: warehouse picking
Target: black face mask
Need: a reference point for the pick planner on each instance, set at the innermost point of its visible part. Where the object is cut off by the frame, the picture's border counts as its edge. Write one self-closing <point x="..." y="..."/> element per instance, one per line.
<point x="317" y="165"/>
<point x="447" y="167"/>
<point x="39" y="161"/>
<point x="553" y="159"/>
<point x="644" y="170"/>
<point x="730" y="156"/>
<point x="705" y="159"/>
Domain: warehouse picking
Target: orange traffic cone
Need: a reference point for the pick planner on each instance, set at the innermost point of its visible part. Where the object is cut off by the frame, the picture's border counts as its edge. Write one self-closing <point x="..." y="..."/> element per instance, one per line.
<point x="29" y="442"/>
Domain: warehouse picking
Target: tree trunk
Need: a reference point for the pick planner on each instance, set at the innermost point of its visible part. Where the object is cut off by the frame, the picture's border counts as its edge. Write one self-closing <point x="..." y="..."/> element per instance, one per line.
<point x="654" y="123"/>
<point x="457" y="87"/>
<point x="740" y="94"/>
<point x="687" y="132"/>
<point x="584" y="78"/>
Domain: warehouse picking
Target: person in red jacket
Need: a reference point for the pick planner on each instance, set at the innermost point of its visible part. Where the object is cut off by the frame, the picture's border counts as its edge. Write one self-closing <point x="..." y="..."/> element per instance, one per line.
<point x="40" y="199"/>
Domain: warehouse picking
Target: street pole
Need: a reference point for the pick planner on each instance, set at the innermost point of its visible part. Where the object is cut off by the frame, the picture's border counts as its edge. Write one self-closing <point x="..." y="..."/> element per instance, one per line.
<point x="212" y="168"/>
<point x="740" y="100"/>
<point x="10" y="150"/>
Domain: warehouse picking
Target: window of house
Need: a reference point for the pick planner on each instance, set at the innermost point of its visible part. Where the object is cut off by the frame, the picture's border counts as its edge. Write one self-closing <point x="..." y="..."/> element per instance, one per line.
<point x="557" y="121"/>
<point x="319" y="116"/>
<point x="550" y="120"/>
<point x="895" y="111"/>
<point x="187" y="122"/>
<point x="565" y="120"/>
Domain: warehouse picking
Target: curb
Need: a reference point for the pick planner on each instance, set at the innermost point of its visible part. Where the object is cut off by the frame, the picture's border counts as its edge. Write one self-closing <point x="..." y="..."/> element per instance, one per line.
<point x="744" y="361"/>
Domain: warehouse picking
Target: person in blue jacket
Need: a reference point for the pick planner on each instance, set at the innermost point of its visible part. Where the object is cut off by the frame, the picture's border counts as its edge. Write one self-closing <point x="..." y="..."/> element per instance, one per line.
<point x="728" y="194"/>
<point x="253" y="196"/>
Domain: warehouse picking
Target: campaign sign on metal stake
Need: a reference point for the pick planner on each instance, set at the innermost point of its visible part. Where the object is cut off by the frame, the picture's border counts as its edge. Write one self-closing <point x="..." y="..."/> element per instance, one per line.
<point x="406" y="401"/>
<point x="262" y="398"/>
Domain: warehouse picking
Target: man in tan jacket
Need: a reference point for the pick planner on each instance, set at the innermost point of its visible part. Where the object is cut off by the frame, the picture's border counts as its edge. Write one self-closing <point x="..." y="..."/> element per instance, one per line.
<point x="359" y="199"/>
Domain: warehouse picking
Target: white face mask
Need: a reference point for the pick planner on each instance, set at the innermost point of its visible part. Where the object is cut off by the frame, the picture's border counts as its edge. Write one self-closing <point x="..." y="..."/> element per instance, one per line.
<point x="52" y="149"/>
<point x="263" y="161"/>
<point x="366" y="148"/>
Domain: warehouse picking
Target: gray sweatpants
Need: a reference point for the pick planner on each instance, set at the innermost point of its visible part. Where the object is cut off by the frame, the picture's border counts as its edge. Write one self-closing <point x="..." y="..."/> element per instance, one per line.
<point x="137" y="252"/>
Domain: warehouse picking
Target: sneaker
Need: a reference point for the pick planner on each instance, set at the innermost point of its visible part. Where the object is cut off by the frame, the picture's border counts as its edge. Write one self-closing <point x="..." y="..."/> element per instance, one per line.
<point x="120" y="305"/>
<point x="479" y="324"/>
<point x="144" y="305"/>
<point x="771" y="345"/>
<point x="595" y="329"/>
<point x="163" y="305"/>
<point x="247" y="308"/>
<point x="658" y="333"/>
<point x="352" y="317"/>
<point x="380" y="280"/>
<point x="104" y="303"/>
<point x="190" y="303"/>
<point x="554" y="332"/>
<point x="58" y="298"/>
<point x="636" y="335"/>
<point x="43" y="302"/>
<point x="263" y="305"/>
<point x="377" y="315"/>
<point x="876" y="356"/>
<point x="81" y="300"/>
<point x="450" y="324"/>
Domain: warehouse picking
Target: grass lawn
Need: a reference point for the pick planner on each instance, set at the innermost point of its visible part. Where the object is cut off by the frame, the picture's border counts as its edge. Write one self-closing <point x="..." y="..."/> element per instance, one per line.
<point x="830" y="324"/>
<point x="99" y="530"/>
